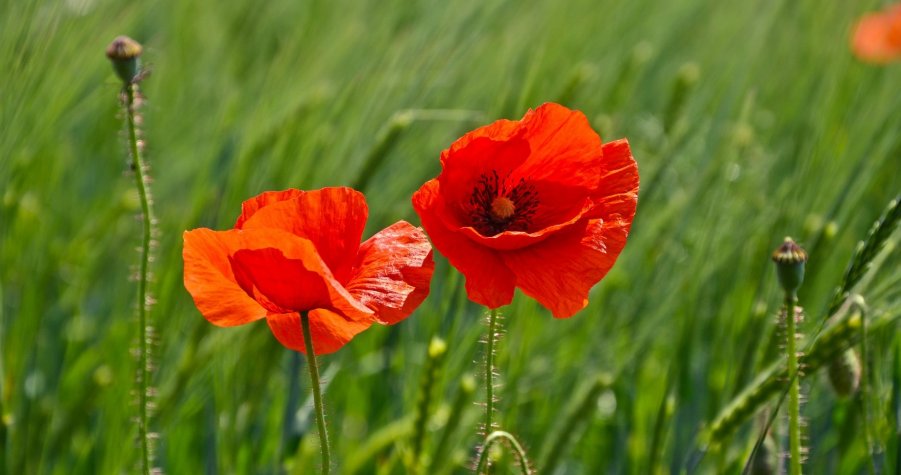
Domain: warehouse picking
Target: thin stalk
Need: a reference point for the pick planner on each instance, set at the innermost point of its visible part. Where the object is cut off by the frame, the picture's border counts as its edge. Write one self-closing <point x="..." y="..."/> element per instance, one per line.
<point x="794" y="395"/>
<point x="489" y="371"/>
<point x="435" y="353"/>
<point x="317" y="392"/>
<point x="580" y="410"/>
<point x="146" y="219"/>
<point x="865" y="395"/>
<point x="517" y="449"/>
<point x="464" y="395"/>
<point x="896" y="402"/>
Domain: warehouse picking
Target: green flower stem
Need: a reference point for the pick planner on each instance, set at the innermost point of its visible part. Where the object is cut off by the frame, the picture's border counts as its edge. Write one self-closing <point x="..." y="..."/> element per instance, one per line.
<point x="794" y="395"/>
<point x="147" y="221"/>
<point x="517" y="449"/>
<point x="317" y="392"/>
<point x="489" y="371"/>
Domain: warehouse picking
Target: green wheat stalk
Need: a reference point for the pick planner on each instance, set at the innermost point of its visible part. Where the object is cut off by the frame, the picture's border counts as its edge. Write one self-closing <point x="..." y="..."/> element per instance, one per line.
<point x="461" y="401"/>
<point x="435" y="354"/>
<point x="579" y="410"/>
<point x="866" y="253"/>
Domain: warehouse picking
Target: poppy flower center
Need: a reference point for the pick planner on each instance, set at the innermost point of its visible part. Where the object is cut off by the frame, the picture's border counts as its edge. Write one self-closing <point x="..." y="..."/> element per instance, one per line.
<point x="497" y="206"/>
<point x="502" y="207"/>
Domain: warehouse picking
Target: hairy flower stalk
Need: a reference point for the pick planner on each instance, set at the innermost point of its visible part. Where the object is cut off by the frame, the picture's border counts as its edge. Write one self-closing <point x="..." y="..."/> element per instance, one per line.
<point x="491" y="435"/>
<point x="489" y="370"/>
<point x="494" y="438"/>
<point x="317" y="393"/>
<point x="790" y="260"/>
<point x="125" y="53"/>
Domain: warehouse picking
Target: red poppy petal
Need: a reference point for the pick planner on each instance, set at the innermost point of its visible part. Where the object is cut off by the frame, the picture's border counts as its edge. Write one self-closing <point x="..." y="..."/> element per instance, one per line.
<point x="564" y="148"/>
<point x="617" y="194"/>
<point x="211" y="283"/>
<point x="877" y="36"/>
<point x="560" y="272"/>
<point x="251" y="206"/>
<point x="500" y="131"/>
<point x="488" y="281"/>
<point x="868" y="40"/>
<point x="329" y="330"/>
<point x="298" y="281"/>
<point x="393" y="272"/>
<point x="332" y="218"/>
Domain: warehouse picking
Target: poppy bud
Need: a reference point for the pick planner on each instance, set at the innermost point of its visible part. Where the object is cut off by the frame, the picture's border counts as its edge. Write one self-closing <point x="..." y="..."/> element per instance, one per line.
<point x="790" y="259"/>
<point x="437" y="348"/>
<point x="844" y="373"/>
<point x="125" y="54"/>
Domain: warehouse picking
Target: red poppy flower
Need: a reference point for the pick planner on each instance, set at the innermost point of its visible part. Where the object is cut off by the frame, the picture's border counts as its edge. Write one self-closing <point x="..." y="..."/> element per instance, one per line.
<point x="540" y="204"/>
<point x="294" y="251"/>
<point x="877" y="37"/>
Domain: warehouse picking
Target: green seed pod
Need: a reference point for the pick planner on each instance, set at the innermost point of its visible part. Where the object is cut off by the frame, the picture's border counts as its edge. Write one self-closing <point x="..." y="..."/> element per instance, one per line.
<point x="844" y="373"/>
<point x="790" y="260"/>
<point x="125" y="54"/>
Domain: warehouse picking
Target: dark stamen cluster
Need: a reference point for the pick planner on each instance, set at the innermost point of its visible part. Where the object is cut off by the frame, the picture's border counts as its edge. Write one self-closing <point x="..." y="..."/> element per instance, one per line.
<point x="489" y="188"/>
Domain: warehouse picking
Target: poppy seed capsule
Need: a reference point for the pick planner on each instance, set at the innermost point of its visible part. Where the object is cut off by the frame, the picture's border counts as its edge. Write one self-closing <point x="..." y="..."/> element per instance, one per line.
<point x="125" y="54"/>
<point x="790" y="260"/>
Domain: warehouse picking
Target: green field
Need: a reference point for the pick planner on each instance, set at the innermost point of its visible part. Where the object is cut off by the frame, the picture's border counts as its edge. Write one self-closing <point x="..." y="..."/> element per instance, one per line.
<point x="750" y="121"/>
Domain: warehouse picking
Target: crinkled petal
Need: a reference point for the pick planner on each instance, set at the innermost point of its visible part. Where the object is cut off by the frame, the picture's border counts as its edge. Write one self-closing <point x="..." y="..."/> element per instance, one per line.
<point x="488" y="281"/>
<point x="330" y="331"/>
<point x="251" y="206"/>
<point x="295" y="280"/>
<point x="560" y="272"/>
<point x="210" y="280"/>
<point x="332" y="218"/>
<point x="617" y="193"/>
<point x="393" y="272"/>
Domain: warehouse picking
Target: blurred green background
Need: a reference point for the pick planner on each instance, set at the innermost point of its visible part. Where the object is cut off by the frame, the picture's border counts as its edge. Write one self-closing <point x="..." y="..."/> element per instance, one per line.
<point x="749" y="121"/>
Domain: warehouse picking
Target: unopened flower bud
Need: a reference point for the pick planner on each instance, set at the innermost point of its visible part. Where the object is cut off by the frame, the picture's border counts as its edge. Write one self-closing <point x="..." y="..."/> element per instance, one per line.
<point x="844" y="373"/>
<point x="125" y="54"/>
<point x="790" y="260"/>
<point x="437" y="347"/>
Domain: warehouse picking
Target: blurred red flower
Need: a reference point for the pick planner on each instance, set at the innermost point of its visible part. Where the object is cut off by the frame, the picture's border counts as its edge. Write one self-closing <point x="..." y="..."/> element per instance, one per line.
<point x="294" y="251"/>
<point x="540" y="204"/>
<point x="877" y="36"/>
